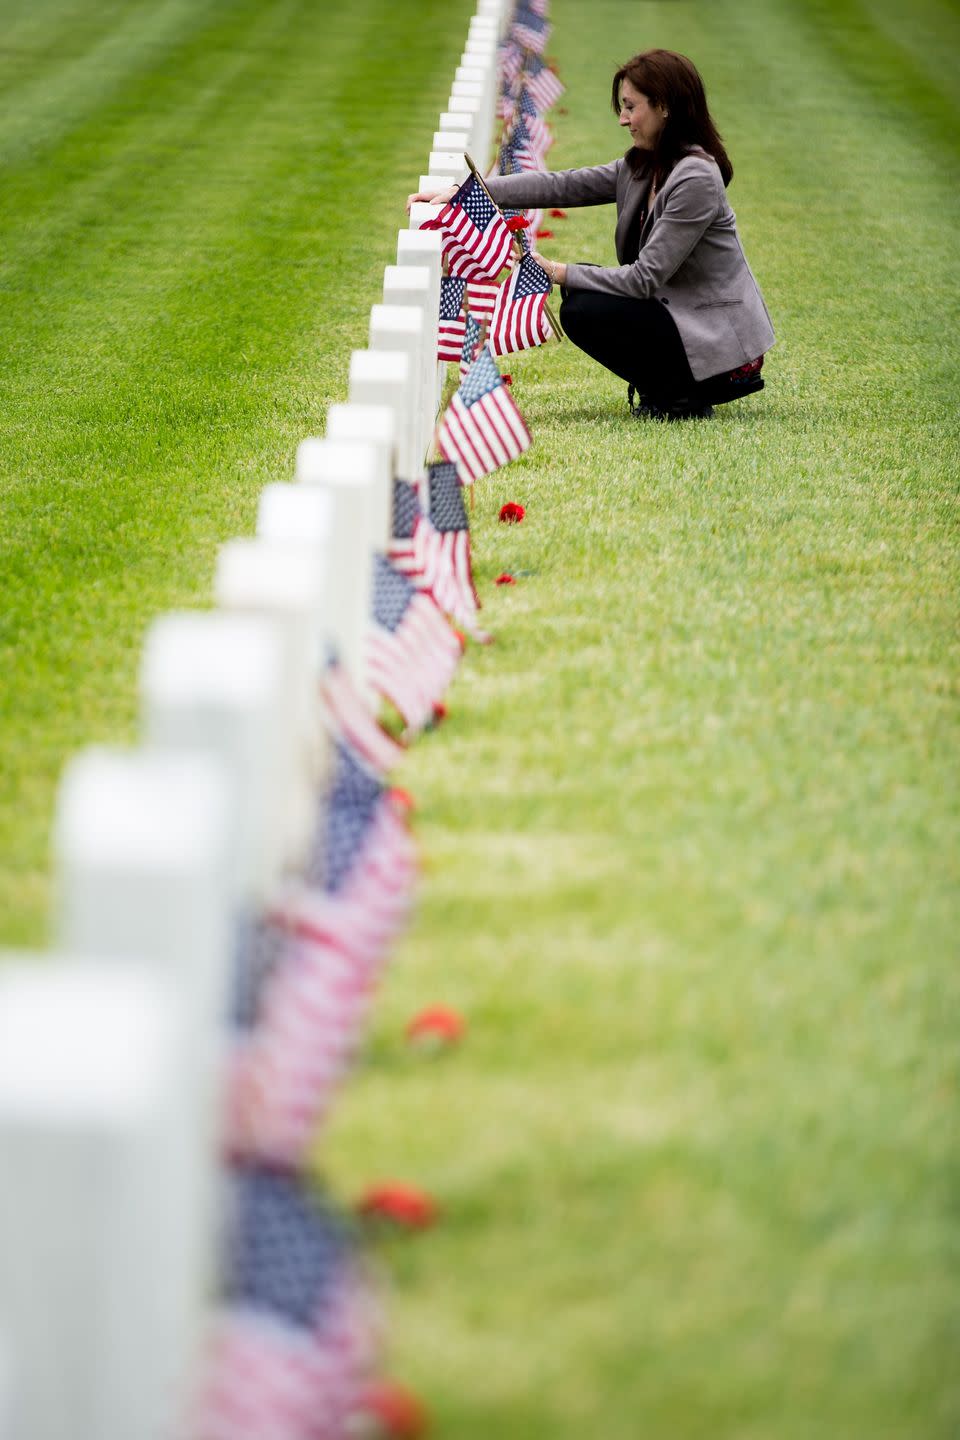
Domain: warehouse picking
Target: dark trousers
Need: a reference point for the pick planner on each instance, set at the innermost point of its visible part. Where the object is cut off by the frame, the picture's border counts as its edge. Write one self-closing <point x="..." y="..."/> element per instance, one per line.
<point x="636" y="339"/>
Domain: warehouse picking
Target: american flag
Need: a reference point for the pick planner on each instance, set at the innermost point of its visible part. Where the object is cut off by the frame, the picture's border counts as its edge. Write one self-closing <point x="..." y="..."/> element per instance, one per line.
<point x="297" y="1331"/>
<point x="507" y="102"/>
<point x="365" y="915"/>
<point x="471" y="343"/>
<point x="482" y="428"/>
<point x="446" y="551"/>
<point x="476" y="242"/>
<point x="520" y="320"/>
<point x="509" y="61"/>
<point x="402" y="551"/>
<point x="529" y="30"/>
<point x="452" y="319"/>
<point x="539" y="7"/>
<point x="436" y="557"/>
<point x="316" y="997"/>
<point x="539" y="131"/>
<point x="368" y="853"/>
<point x="412" y="652"/>
<point x="525" y="150"/>
<point x="349" y="718"/>
<point x="481" y="299"/>
<point x="508" y="164"/>
<point x="544" y="87"/>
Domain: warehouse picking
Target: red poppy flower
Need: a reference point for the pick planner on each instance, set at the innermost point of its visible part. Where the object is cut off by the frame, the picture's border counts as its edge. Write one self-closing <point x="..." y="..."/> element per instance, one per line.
<point x="440" y="713"/>
<point x="507" y="379"/>
<point x="402" y="1205"/>
<point x="517" y="222"/>
<point x="504" y="580"/>
<point x="558" y="214"/>
<point x="436" y="1024"/>
<point x="402" y="799"/>
<point x="394" y="1411"/>
<point x="544" y="234"/>
<point x="511" y="513"/>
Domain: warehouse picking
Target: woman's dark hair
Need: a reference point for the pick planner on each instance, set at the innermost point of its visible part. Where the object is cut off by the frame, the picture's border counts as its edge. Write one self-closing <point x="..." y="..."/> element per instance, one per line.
<point x="673" y="81"/>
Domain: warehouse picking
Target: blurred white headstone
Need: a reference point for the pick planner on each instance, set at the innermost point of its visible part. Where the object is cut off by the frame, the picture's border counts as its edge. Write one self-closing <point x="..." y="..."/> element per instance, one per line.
<point x="417" y="248"/>
<point x="285" y="583"/>
<point x="214" y="682"/>
<point x="386" y="377"/>
<point x="467" y="90"/>
<point x="453" y="120"/>
<point x="292" y="515"/>
<point x="434" y="184"/>
<point x="448" y="163"/>
<point x="414" y="285"/>
<point x="452" y="139"/>
<point x="376" y="425"/>
<point x="479" y="51"/>
<point x="142" y="846"/>
<point x="352" y="473"/>
<point x="6" y="1390"/>
<point x="402" y="330"/>
<point x="484" y="23"/>
<point x="101" y="1296"/>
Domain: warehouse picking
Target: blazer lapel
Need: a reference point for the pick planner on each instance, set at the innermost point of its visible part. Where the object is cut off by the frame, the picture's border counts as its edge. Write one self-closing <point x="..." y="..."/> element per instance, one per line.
<point x="631" y="198"/>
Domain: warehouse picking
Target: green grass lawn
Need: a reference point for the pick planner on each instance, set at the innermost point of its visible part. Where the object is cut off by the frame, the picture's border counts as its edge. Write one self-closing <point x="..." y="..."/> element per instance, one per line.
<point x="690" y="830"/>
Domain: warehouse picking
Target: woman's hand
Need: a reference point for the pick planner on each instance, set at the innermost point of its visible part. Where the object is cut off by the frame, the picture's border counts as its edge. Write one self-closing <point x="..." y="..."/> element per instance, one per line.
<point x="438" y="197"/>
<point x="556" y="270"/>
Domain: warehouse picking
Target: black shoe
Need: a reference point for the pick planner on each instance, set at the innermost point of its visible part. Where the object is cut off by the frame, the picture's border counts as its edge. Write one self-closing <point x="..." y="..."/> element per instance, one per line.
<point x="682" y="407"/>
<point x="722" y="391"/>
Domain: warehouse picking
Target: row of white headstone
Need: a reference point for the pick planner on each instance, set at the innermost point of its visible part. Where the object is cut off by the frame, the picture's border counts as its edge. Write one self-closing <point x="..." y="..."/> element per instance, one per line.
<point x="110" y="1045"/>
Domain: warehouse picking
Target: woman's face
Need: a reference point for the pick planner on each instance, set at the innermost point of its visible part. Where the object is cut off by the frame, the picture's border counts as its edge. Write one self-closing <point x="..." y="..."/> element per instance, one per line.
<point x="643" y="120"/>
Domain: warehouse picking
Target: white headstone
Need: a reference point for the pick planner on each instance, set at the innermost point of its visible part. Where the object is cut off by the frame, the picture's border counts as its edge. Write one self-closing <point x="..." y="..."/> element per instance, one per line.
<point x="433" y="184"/>
<point x="448" y="163"/>
<point x="473" y="110"/>
<point x="290" y="515"/>
<point x="414" y="285"/>
<point x="455" y="120"/>
<point x="352" y="473"/>
<point x="417" y="247"/>
<point x="142" y="847"/>
<point x="101" y="1292"/>
<point x="214" y="682"/>
<point x="467" y="90"/>
<point x="371" y="425"/>
<point x="287" y="584"/>
<point x="390" y="377"/>
<point x="402" y="329"/>
<point x="6" y="1389"/>
<point x="480" y="50"/>
<point x="293" y="515"/>
<point x="459" y="104"/>
<point x="453" y="139"/>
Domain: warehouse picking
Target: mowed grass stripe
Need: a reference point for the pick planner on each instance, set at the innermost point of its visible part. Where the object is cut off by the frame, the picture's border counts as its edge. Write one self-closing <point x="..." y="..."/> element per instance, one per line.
<point x="692" y="831"/>
<point x="185" y="271"/>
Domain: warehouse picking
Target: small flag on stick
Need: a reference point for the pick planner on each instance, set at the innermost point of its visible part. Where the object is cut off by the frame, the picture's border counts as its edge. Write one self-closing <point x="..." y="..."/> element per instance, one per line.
<point x="476" y="242"/>
<point x="520" y="319"/>
<point x="452" y="319"/>
<point x="482" y="428"/>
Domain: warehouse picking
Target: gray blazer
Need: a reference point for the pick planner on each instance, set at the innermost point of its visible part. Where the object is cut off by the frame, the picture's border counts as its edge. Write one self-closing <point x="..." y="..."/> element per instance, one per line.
<point x="690" y="256"/>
